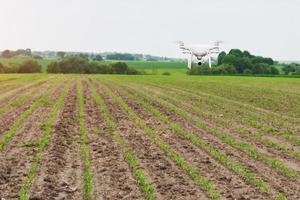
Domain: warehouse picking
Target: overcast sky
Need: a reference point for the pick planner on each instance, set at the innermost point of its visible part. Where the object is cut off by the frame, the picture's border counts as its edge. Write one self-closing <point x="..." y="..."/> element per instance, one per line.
<point x="264" y="27"/>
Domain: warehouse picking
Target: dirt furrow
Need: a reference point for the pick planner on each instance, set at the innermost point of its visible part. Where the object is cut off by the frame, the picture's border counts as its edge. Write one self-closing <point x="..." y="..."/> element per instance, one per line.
<point x="19" y="152"/>
<point x="289" y="186"/>
<point x="233" y="127"/>
<point x="113" y="178"/>
<point x="13" y="93"/>
<point x="60" y="172"/>
<point x="8" y="118"/>
<point x="31" y="90"/>
<point x="230" y="185"/>
<point x="168" y="179"/>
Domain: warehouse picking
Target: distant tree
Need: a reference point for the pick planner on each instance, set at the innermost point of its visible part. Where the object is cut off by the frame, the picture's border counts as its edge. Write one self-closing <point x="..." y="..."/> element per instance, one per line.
<point x="221" y="57"/>
<point x="120" y="56"/>
<point x="236" y="52"/>
<point x="297" y="72"/>
<point x="289" y="69"/>
<point x="30" y="66"/>
<point x="274" y="70"/>
<point x="247" y="71"/>
<point x="119" y="68"/>
<point x="27" y="52"/>
<point x="61" y="54"/>
<point x="7" y="54"/>
<point x="53" y="67"/>
<point x="98" y="58"/>
<point x="2" y="68"/>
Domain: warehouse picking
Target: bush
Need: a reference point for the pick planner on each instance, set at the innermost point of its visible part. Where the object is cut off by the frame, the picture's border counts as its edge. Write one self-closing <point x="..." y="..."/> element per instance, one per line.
<point x="2" y="68"/>
<point x="30" y="66"/>
<point x="247" y="71"/>
<point x="166" y="73"/>
<point x="133" y="71"/>
<point x="119" y="68"/>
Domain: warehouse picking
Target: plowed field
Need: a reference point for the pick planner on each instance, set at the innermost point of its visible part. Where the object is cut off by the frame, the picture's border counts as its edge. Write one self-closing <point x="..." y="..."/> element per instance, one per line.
<point x="149" y="137"/>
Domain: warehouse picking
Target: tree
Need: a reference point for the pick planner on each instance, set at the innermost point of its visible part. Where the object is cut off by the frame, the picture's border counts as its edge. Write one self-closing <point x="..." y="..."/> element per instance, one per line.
<point x="61" y="54"/>
<point x="221" y="57"/>
<point x="2" y="68"/>
<point x="30" y="66"/>
<point x="289" y="69"/>
<point x="119" y="68"/>
<point x="7" y="54"/>
<point x="98" y="58"/>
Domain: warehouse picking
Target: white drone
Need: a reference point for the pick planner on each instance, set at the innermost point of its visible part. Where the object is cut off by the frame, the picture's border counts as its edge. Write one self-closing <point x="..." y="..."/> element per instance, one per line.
<point x="200" y="52"/>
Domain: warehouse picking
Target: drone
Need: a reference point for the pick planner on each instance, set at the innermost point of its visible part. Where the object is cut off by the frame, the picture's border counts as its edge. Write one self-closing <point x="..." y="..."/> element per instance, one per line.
<point x="200" y="52"/>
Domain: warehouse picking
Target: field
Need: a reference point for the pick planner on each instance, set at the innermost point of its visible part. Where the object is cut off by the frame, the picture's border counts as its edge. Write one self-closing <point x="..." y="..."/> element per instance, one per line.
<point x="149" y="137"/>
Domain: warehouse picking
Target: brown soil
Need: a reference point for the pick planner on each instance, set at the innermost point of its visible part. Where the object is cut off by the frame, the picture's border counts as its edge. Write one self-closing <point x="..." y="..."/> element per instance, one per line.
<point x="14" y="93"/>
<point x="17" y="158"/>
<point x="113" y="178"/>
<point x="291" y="187"/>
<point x="168" y="179"/>
<point x="60" y="173"/>
<point x="227" y="182"/>
<point x="9" y="117"/>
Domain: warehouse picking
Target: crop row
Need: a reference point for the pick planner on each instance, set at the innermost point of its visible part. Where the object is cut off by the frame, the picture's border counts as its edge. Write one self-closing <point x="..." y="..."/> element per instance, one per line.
<point x="18" y="89"/>
<point x="255" y="114"/>
<point x="43" y="142"/>
<point x="226" y="138"/>
<point x="204" y="183"/>
<point x="87" y="173"/>
<point x="248" y="118"/>
<point x="43" y="100"/>
<point x="258" y="137"/>
<point x="21" y="100"/>
<point x="220" y="102"/>
<point x="127" y="152"/>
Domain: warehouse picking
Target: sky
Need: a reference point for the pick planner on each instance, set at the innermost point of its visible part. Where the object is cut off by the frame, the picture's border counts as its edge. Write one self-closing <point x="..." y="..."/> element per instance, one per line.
<point x="269" y="28"/>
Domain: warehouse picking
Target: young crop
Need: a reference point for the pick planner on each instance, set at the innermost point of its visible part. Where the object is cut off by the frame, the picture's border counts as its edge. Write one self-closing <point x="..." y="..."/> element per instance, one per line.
<point x="183" y="164"/>
<point x="87" y="172"/>
<point x="245" y="173"/>
<point x="21" y="100"/>
<point x="43" y="142"/>
<point x="128" y="154"/>
<point x="232" y="141"/>
<point x="239" y="129"/>
<point x="19" y="121"/>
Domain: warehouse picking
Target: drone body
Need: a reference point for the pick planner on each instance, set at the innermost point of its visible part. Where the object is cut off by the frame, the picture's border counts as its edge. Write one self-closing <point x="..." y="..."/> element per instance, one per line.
<point x="200" y="52"/>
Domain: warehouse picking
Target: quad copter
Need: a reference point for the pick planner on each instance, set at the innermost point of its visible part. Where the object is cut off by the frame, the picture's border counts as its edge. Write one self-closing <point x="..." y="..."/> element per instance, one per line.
<point x="200" y="52"/>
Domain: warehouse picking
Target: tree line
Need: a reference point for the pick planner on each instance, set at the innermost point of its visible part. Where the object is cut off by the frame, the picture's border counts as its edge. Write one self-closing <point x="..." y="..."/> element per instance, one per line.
<point x="28" y="66"/>
<point x="82" y="65"/>
<point x="238" y="62"/>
